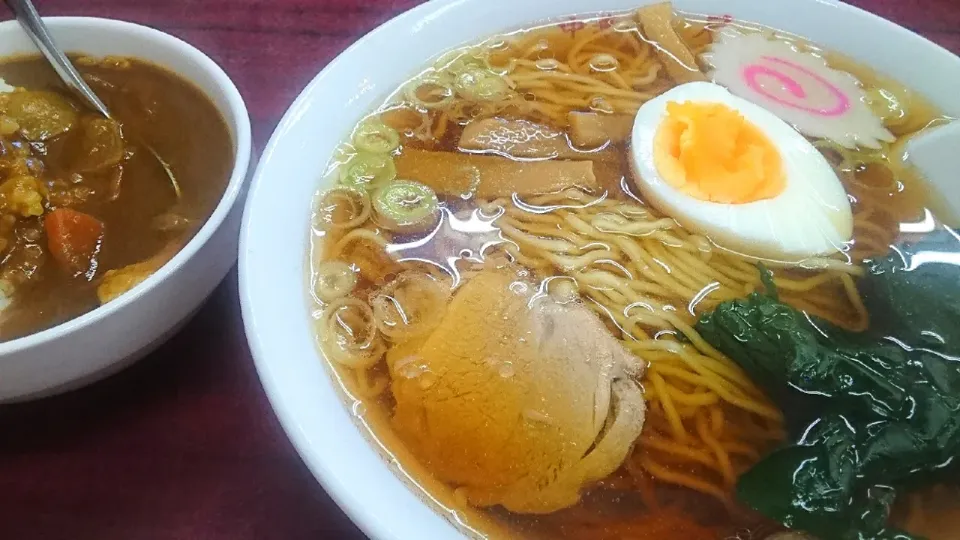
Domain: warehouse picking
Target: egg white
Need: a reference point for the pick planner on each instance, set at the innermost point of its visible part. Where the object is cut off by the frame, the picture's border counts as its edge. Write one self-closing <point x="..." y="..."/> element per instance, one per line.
<point x="810" y="217"/>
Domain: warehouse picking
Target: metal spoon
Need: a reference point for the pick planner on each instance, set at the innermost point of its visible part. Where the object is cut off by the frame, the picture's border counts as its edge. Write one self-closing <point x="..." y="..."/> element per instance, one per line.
<point x="33" y="25"/>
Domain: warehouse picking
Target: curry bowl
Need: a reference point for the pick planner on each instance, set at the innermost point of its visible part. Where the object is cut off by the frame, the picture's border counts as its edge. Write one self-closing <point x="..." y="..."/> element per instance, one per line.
<point x="410" y="442"/>
<point x="105" y="259"/>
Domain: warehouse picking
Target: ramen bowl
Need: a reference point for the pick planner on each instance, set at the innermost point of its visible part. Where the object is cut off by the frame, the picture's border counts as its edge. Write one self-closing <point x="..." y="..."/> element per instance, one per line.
<point x="105" y="339"/>
<point x="370" y="486"/>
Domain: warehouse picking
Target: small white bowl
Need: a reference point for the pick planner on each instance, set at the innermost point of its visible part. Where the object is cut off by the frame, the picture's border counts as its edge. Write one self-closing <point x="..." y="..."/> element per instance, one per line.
<point x="273" y="243"/>
<point x="107" y="338"/>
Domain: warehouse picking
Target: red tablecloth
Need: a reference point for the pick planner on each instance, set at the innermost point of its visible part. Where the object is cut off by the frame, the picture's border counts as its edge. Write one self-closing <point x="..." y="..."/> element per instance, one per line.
<point x="184" y="444"/>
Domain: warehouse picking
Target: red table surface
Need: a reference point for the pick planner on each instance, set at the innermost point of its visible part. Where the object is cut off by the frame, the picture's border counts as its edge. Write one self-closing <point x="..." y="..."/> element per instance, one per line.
<point x="184" y="444"/>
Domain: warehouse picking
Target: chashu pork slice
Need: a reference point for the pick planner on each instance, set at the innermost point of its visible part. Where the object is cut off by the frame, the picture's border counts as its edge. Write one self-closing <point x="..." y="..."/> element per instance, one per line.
<point x="517" y="400"/>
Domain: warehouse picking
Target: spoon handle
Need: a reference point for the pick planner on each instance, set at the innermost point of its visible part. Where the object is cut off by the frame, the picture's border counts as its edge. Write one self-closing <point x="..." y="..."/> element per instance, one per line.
<point x="30" y="21"/>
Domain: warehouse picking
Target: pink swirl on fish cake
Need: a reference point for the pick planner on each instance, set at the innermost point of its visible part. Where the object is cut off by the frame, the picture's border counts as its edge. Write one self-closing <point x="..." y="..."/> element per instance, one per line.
<point x="752" y="72"/>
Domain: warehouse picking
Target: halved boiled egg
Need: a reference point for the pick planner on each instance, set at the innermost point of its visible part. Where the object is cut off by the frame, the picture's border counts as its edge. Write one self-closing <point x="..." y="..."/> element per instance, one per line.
<point x="736" y="173"/>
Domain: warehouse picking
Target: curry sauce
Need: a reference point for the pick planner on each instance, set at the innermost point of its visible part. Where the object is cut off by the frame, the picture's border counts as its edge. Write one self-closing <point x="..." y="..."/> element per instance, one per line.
<point x="83" y="203"/>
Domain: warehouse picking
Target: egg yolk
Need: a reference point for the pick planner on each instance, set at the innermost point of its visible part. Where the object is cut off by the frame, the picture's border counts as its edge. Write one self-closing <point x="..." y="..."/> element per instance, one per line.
<point x="712" y="153"/>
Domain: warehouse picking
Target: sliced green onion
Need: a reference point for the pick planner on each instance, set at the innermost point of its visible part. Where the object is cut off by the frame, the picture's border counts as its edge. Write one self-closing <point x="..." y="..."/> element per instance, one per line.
<point x="341" y="207"/>
<point x="376" y="137"/>
<point x="481" y="85"/>
<point x="365" y="171"/>
<point x="406" y="206"/>
<point x="429" y="93"/>
<point x="466" y="62"/>
<point x="348" y="335"/>
<point x="333" y="279"/>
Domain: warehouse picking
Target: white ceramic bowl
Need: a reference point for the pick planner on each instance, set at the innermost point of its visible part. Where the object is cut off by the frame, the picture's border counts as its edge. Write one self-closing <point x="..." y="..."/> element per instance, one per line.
<point x="105" y="339"/>
<point x="273" y="244"/>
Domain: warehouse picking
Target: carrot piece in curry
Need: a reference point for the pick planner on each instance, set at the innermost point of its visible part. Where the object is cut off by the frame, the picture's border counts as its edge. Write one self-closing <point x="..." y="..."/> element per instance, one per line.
<point x="73" y="238"/>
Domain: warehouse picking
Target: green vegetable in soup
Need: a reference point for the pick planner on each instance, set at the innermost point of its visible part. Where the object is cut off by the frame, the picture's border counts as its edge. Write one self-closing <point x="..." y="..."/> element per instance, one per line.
<point x="405" y="206"/>
<point x="481" y="85"/>
<point x="867" y="417"/>
<point x="913" y="293"/>
<point x="375" y="137"/>
<point x="41" y="115"/>
<point x="365" y="171"/>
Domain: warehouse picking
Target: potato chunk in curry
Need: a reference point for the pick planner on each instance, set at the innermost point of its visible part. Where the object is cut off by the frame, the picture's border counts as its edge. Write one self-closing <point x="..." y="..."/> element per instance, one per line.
<point x="41" y="115"/>
<point x="22" y="196"/>
<point x="117" y="282"/>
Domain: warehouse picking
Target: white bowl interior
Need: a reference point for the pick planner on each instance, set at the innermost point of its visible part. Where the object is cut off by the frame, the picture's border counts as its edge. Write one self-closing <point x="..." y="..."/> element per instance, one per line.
<point x="275" y="231"/>
<point x="92" y="342"/>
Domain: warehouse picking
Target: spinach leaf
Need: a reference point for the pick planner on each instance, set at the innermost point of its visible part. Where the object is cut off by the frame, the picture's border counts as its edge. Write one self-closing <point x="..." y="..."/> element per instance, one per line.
<point x="913" y="293"/>
<point x="821" y="494"/>
<point x="866" y="416"/>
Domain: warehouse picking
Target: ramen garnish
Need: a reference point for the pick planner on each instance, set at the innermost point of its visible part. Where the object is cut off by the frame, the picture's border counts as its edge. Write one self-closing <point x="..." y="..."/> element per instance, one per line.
<point x="649" y="276"/>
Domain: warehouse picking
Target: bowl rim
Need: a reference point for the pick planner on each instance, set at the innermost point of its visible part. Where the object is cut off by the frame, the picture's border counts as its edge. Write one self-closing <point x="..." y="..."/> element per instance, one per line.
<point x="364" y="516"/>
<point x="347" y="500"/>
<point x="242" y="147"/>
